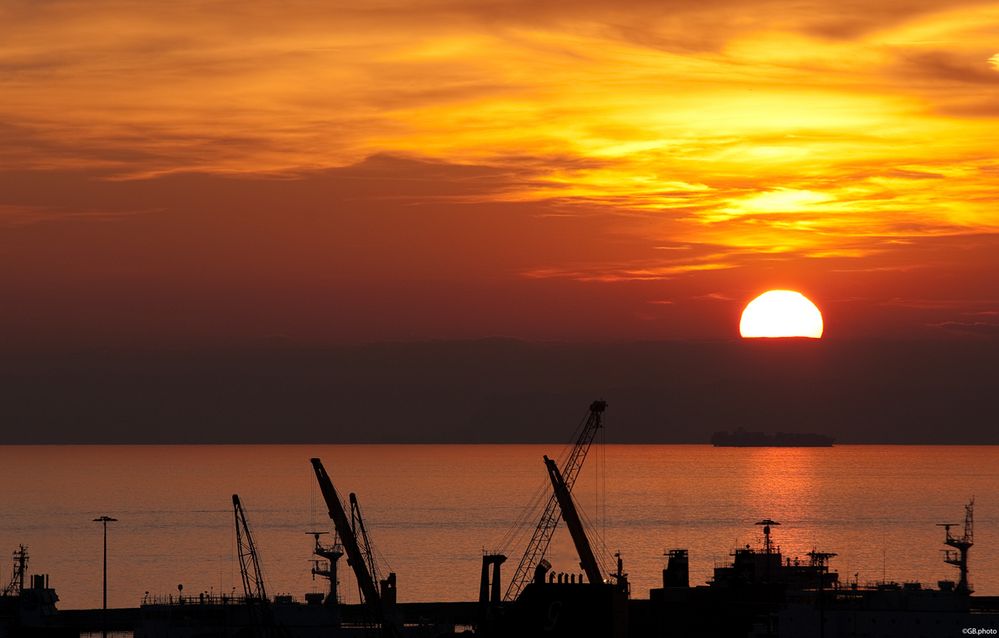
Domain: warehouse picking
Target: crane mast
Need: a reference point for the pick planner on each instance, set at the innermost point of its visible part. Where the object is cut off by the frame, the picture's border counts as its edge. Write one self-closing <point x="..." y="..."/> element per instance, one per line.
<point x="356" y="557"/>
<point x="545" y="529"/>
<point x="586" y="558"/>
<point x="249" y="562"/>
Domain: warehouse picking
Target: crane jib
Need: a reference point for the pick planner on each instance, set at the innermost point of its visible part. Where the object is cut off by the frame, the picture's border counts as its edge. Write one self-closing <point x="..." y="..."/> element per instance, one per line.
<point x="355" y="556"/>
<point x="545" y="529"/>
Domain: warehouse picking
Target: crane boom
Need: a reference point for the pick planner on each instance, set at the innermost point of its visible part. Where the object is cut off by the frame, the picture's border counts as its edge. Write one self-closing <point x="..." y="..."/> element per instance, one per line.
<point x="586" y="558"/>
<point x="361" y="533"/>
<point x="355" y="555"/>
<point x="249" y="562"/>
<point x="545" y="529"/>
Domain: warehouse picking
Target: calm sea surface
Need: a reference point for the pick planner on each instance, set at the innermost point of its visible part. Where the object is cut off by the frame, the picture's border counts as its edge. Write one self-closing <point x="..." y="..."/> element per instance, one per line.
<point x="432" y="509"/>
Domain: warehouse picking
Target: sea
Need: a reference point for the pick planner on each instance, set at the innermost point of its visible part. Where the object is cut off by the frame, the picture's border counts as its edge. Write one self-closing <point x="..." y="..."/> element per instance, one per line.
<point x="432" y="510"/>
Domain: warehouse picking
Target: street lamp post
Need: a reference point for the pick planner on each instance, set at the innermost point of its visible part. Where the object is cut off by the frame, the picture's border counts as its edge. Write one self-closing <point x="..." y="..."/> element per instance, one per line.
<point x="104" y="610"/>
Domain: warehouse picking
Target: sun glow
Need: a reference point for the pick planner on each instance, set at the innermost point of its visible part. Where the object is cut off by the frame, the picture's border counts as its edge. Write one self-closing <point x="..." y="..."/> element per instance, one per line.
<point x="781" y="313"/>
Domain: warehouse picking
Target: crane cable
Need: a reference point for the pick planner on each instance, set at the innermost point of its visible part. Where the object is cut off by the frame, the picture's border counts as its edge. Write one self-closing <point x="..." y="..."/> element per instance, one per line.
<point x="519" y="529"/>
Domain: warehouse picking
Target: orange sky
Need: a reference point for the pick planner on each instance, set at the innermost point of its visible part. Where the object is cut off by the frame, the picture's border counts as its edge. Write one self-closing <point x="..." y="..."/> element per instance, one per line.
<point x="202" y="172"/>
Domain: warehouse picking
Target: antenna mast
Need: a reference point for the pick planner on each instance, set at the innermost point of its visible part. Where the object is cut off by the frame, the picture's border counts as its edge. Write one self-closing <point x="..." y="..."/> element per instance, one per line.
<point x="16" y="585"/>
<point x="959" y="555"/>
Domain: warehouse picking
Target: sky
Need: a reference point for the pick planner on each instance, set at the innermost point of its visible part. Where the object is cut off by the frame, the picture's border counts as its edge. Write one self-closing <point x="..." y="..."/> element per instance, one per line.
<point x="218" y="173"/>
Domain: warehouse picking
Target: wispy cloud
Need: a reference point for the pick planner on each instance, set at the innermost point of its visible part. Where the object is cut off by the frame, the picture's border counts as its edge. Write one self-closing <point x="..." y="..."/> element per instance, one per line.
<point x="609" y="273"/>
<point x="26" y="215"/>
<point x="982" y="328"/>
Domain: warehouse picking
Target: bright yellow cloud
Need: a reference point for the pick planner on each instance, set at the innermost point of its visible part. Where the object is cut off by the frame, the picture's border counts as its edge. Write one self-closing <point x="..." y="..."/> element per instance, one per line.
<point x="781" y="200"/>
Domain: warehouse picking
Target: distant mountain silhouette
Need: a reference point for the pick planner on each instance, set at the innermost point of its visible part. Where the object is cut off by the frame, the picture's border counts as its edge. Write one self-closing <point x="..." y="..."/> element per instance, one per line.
<point x="502" y="390"/>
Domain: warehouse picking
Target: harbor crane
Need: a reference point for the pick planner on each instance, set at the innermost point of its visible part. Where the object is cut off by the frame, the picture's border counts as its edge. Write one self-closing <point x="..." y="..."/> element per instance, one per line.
<point x="542" y="537"/>
<point x="586" y="558"/>
<point x="249" y="563"/>
<point x="361" y="533"/>
<point x="254" y="591"/>
<point x="359" y="552"/>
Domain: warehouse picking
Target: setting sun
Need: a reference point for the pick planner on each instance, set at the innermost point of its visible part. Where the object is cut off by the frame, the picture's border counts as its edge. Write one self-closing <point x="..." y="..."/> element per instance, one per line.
<point x="781" y="313"/>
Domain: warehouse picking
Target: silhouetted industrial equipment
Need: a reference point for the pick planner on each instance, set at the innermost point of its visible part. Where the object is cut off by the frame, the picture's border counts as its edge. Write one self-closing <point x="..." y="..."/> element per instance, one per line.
<point x="357" y="525"/>
<point x="328" y="568"/>
<point x="820" y="560"/>
<point x="359" y="553"/>
<point x="568" y="507"/>
<point x="962" y="544"/>
<point x="254" y="591"/>
<point x="619" y="576"/>
<point x="16" y="584"/>
<point x="490" y="591"/>
<point x="249" y="561"/>
<point x="767" y="523"/>
<point x="677" y="572"/>
<point x="545" y="529"/>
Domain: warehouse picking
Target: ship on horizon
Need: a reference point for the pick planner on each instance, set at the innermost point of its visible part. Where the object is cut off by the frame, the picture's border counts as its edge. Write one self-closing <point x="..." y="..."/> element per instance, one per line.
<point x="744" y="438"/>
